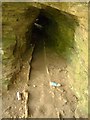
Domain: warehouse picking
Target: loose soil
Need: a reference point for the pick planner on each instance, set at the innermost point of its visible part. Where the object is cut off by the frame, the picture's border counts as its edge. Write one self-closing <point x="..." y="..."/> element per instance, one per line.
<point x="44" y="100"/>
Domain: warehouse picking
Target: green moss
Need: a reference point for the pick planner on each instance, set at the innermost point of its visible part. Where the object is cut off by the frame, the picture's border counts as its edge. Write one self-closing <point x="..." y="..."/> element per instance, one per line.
<point x="60" y="32"/>
<point x="8" y="40"/>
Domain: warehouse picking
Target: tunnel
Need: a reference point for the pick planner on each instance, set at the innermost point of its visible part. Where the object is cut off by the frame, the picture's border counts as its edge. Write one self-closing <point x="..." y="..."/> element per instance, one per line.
<point x="56" y="29"/>
<point x="39" y="29"/>
<point x="45" y="43"/>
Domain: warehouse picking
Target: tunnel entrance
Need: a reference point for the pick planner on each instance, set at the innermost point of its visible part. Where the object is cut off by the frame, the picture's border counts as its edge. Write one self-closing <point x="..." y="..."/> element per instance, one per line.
<point x="56" y="28"/>
<point x="39" y="29"/>
<point x="52" y="29"/>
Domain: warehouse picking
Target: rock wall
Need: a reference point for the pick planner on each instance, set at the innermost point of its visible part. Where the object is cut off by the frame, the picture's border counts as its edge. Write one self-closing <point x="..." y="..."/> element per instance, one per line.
<point x="17" y="20"/>
<point x="71" y="41"/>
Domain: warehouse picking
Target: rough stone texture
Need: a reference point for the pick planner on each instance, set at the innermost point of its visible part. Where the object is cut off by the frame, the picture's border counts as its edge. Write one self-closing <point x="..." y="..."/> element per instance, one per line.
<point x="72" y="24"/>
<point x="78" y="60"/>
<point x="17" y="19"/>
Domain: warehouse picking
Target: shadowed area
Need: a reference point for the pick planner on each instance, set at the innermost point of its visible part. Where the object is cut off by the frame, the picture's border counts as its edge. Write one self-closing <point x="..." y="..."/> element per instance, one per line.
<point x="57" y="29"/>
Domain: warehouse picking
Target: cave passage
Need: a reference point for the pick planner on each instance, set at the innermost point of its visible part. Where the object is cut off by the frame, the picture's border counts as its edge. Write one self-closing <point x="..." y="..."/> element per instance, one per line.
<point x="56" y="29"/>
<point x="39" y="29"/>
<point x="57" y="32"/>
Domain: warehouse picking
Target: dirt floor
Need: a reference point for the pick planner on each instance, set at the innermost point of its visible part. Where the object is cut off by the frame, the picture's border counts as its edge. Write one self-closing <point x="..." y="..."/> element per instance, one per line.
<point x="44" y="101"/>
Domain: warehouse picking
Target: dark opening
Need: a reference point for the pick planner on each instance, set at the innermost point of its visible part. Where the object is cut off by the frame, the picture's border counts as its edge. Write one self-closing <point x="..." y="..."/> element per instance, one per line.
<point x="39" y="29"/>
<point x="56" y="29"/>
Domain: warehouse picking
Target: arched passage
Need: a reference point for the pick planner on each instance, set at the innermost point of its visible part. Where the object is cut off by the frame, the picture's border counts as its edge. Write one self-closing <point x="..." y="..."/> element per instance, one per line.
<point x="57" y="28"/>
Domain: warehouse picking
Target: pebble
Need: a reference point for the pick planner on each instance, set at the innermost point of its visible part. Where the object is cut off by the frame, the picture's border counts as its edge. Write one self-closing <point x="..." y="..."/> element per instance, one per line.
<point x="34" y="86"/>
<point x="61" y="90"/>
<point x="1" y="52"/>
<point x="66" y="71"/>
<point x="23" y="66"/>
<point x="15" y="107"/>
<point x="11" y="117"/>
<point x="23" y="116"/>
<point x="14" y="117"/>
<point x="62" y="112"/>
<point x="20" y="109"/>
<point x="65" y="101"/>
<point x="59" y="69"/>
<point x="22" y="102"/>
<point x="60" y="98"/>
<point x="68" y="76"/>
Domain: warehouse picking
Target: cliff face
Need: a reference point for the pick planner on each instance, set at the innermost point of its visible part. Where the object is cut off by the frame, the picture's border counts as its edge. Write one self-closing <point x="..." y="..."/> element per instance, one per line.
<point x="66" y="32"/>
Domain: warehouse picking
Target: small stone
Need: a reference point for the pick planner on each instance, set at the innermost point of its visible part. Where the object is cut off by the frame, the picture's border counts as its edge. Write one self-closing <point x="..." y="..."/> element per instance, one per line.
<point x="1" y="52"/>
<point x="20" y="109"/>
<point x="59" y="69"/>
<point x="66" y="71"/>
<point x="20" y="116"/>
<point x="65" y="101"/>
<point x="68" y="76"/>
<point x="63" y="112"/>
<point x="23" y="115"/>
<point x="62" y="90"/>
<point x="34" y="86"/>
<point x="15" y="107"/>
<point x="14" y="117"/>
<point x="22" y="102"/>
<point x="23" y="66"/>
